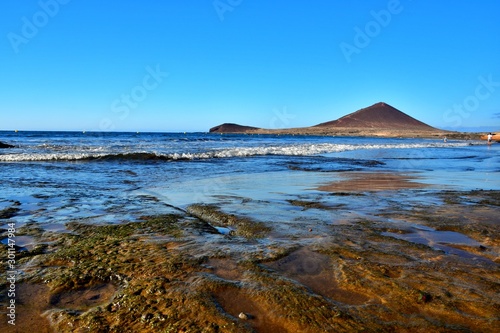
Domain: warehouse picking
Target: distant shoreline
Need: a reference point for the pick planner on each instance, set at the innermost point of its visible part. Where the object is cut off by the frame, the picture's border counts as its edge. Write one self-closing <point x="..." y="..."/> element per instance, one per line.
<point x="363" y="132"/>
<point x="377" y="120"/>
<point x="340" y="132"/>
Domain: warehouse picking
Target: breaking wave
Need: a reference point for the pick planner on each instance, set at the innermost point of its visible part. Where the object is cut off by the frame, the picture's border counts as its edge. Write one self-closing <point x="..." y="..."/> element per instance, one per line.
<point x="237" y="152"/>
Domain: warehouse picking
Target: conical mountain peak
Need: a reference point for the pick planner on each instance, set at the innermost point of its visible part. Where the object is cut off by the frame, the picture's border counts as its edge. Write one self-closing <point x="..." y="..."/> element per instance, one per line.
<point x="379" y="115"/>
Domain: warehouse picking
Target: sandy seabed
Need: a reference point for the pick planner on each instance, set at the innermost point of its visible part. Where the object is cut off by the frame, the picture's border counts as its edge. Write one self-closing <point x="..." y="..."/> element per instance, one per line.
<point x="366" y="252"/>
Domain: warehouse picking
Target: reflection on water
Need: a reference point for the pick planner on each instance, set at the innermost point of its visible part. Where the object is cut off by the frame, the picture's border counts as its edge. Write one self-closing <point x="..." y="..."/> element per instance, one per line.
<point x="439" y="240"/>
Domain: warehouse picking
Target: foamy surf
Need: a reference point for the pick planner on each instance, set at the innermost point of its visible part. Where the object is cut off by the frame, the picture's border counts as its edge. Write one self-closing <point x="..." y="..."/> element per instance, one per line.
<point x="237" y="152"/>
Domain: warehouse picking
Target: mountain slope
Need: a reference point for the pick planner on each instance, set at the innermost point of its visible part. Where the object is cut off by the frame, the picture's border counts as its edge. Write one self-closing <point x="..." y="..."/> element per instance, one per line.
<point x="380" y="119"/>
<point x="378" y="116"/>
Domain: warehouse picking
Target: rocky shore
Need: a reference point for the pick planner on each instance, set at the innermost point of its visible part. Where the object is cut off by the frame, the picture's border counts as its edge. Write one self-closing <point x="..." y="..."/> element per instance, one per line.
<point x="179" y="273"/>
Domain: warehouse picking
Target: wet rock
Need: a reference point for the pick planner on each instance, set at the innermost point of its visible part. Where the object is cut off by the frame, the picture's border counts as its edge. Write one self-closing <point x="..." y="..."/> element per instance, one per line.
<point x="424" y="297"/>
<point x="146" y="317"/>
<point x="9" y="212"/>
<point x="244" y="226"/>
<point x="5" y="145"/>
<point x="308" y="204"/>
<point x="356" y="280"/>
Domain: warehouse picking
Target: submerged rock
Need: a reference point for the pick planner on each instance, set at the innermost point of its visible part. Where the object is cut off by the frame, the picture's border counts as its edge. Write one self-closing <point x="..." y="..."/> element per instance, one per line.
<point x="243" y="226"/>
<point x="11" y="211"/>
<point x="5" y="145"/>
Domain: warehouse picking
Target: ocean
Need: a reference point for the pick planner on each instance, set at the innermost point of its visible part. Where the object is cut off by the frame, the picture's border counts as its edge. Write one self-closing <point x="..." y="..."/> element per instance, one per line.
<point x="58" y="177"/>
<point x="208" y="232"/>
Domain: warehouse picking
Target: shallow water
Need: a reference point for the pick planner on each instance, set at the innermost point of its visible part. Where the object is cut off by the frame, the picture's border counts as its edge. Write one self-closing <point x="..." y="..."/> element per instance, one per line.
<point x="58" y="177"/>
<point x="437" y="239"/>
<point x="309" y="226"/>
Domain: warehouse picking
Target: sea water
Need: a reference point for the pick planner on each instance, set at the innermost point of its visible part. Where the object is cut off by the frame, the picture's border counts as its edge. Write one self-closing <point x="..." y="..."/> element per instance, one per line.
<point x="58" y="177"/>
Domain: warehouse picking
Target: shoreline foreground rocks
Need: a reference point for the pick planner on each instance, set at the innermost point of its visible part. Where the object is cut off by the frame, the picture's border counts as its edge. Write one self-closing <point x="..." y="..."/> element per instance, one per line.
<point x="174" y="273"/>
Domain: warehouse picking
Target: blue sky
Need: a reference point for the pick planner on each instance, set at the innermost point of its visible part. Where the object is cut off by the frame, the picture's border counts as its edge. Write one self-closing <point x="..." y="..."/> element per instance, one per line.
<point x="190" y="65"/>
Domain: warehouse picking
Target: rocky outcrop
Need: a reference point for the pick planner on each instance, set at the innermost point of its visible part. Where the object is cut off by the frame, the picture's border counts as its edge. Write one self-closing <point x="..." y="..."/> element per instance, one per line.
<point x="232" y="128"/>
<point x="5" y="145"/>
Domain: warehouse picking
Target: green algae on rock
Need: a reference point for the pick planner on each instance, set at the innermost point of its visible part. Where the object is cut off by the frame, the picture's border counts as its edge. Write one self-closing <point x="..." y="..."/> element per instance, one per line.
<point x="245" y="227"/>
<point x="174" y="273"/>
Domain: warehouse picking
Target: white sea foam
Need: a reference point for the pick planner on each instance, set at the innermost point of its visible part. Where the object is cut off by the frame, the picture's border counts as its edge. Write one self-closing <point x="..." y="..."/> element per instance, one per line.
<point x="301" y="150"/>
<point x="283" y="150"/>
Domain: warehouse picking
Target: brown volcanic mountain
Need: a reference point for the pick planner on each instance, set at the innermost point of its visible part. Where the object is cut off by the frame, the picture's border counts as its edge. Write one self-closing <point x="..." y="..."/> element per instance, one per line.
<point x="378" y="116"/>
<point x="379" y="119"/>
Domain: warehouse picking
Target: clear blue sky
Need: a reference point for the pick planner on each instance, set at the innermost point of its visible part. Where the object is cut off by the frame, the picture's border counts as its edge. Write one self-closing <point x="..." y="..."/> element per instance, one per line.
<point x="100" y="65"/>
